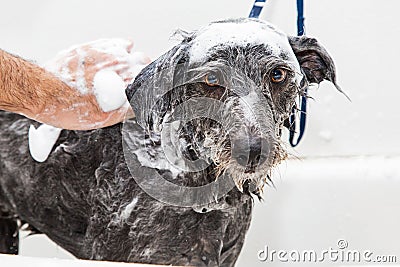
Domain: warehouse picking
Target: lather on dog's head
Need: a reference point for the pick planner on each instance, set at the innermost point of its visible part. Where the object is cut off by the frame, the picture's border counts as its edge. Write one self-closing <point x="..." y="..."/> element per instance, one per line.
<point x="227" y="90"/>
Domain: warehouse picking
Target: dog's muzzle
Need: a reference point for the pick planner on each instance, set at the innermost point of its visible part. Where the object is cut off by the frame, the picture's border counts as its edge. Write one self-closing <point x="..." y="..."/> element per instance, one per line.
<point x="251" y="153"/>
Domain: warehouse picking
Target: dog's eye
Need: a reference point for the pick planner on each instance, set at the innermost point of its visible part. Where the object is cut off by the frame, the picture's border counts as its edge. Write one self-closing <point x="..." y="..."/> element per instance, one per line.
<point x="278" y="75"/>
<point x="211" y="79"/>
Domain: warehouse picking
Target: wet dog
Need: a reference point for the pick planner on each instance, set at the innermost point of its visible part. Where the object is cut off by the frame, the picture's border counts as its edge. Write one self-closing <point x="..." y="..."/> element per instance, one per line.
<point x="175" y="184"/>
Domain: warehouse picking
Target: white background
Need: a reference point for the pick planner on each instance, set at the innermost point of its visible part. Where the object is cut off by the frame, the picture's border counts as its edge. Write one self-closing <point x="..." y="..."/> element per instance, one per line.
<point x="347" y="184"/>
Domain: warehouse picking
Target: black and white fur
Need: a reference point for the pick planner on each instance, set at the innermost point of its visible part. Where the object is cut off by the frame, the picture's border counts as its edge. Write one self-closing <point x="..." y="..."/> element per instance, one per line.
<point x="85" y="199"/>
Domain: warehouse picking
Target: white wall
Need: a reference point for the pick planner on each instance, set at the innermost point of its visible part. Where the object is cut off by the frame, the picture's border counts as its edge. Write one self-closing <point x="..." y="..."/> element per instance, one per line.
<point x="316" y="201"/>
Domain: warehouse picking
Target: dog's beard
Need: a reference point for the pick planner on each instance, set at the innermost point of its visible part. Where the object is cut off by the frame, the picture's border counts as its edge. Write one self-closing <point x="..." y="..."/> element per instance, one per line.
<point x="254" y="181"/>
<point x="218" y="146"/>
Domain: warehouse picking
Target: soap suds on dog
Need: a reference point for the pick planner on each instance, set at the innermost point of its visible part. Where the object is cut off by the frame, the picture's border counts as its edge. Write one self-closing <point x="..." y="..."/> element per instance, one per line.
<point x="42" y="140"/>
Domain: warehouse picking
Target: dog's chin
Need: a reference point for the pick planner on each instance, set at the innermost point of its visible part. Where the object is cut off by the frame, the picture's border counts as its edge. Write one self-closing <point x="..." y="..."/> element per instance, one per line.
<point x="245" y="181"/>
<point x="253" y="181"/>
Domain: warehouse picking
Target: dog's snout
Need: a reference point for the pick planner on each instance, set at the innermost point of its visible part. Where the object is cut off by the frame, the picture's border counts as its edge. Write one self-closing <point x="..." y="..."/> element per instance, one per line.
<point x="251" y="153"/>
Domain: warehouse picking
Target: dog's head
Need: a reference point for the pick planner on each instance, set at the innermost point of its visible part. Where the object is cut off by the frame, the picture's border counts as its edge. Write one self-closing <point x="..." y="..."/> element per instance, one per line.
<point x="224" y="93"/>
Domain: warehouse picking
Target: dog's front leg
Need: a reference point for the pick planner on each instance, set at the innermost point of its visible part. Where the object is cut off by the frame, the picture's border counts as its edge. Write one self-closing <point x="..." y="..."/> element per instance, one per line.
<point x="9" y="237"/>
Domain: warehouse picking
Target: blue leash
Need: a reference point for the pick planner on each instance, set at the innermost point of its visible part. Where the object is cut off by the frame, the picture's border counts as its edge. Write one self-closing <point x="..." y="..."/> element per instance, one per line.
<point x="303" y="107"/>
<point x="257" y="8"/>
<point x="300" y="17"/>
<point x="255" y="13"/>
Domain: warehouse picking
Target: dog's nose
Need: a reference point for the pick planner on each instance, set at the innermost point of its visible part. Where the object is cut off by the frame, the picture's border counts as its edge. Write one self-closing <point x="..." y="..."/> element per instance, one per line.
<point x="252" y="153"/>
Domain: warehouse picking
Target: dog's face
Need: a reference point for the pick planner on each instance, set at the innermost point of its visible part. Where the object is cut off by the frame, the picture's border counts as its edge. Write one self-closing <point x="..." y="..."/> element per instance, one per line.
<point x="227" y="90"/>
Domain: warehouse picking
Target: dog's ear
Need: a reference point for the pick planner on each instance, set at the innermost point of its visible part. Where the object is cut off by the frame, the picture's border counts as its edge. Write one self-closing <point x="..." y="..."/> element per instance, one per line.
<point x="169" y="60"/>
<point x="314" y="60"/>
<point x="149" y="92"/>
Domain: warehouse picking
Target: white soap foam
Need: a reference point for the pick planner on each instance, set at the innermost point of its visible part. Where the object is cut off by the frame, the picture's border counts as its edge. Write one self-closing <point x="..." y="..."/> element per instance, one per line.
<point x="238" y="34"/>
<point x="139" y="58"/>
<point x="109" y="89"/>
<point x="126" y="212"/>
<point x="42" y="140"/>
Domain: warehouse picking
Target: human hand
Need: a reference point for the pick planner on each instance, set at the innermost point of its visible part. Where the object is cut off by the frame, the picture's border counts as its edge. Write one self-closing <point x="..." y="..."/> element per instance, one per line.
<point x="78" y="65"/>
<point x="99" y="71"/>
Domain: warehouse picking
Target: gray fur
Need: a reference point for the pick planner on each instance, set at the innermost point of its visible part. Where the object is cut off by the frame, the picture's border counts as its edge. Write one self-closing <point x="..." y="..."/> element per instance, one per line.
<point x="85" y="199"/>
